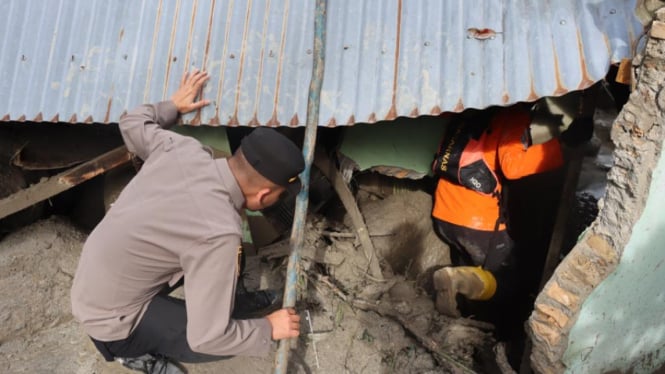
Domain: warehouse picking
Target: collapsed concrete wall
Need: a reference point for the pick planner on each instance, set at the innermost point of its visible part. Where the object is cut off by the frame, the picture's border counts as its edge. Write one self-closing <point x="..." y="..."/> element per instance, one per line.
<point x="638" y="135"/>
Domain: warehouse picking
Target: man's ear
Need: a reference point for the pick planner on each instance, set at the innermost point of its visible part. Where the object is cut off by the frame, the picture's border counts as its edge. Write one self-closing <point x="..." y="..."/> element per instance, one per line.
<point x="261" y="195"/>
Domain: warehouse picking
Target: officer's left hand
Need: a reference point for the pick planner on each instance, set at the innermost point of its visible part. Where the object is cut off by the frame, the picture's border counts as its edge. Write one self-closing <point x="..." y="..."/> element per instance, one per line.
<point x="190" y="88"/>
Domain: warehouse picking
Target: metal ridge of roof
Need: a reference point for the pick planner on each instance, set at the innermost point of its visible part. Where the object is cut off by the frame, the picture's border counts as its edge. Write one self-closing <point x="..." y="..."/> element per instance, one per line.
<point x="92" y="60"/>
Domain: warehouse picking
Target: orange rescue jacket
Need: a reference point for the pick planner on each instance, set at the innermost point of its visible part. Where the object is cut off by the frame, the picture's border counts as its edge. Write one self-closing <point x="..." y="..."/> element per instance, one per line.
<point x="506" y="150"/>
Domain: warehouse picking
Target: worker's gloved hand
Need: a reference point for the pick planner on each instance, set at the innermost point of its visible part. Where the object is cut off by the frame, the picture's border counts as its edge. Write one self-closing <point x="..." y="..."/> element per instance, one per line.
<point x="579" y="132"/>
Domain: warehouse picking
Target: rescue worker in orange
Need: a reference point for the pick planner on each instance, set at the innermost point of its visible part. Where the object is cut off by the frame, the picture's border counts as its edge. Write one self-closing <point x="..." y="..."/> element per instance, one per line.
<point x="467" y="214"/>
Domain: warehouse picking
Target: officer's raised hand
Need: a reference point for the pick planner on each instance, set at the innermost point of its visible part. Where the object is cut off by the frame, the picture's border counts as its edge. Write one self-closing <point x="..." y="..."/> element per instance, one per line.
<point x="185" y="98"/>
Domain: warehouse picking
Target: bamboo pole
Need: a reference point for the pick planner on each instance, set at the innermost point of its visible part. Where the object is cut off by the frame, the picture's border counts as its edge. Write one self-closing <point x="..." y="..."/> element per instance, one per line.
<point x="298" y="229"/>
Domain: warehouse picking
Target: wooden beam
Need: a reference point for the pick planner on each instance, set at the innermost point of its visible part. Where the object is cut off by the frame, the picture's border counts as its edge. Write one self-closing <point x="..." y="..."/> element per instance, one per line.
<point x="565" y="205"/>
<point x="328" y="169"/>
<point x="63" y="181"/>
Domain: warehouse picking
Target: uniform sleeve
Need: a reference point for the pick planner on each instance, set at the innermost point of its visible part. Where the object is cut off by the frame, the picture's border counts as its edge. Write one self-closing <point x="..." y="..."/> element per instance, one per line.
<point x="519" y="159"/>
<point x="210" y="282"/>
<point x="142" y="127"/>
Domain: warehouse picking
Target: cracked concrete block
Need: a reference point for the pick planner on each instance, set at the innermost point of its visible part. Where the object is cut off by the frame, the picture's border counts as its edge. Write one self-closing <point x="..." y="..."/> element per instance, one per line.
<point x="602" y="249"/>
<point x="586" y="270"/>
<point x="547" y="333"/>
<point x="657" y="30"/>
<point x="570" y="279"/>
<point x="565" y="297"/>
<point x="553" y="314"/>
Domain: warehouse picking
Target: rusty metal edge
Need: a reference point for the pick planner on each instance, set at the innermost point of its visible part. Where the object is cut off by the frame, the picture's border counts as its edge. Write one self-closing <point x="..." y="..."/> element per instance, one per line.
<point x="63" y="181"/>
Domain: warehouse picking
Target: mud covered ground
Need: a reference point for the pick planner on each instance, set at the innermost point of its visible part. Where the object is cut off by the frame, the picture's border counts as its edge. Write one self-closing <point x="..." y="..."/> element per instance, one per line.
<point x="358" y="324"/>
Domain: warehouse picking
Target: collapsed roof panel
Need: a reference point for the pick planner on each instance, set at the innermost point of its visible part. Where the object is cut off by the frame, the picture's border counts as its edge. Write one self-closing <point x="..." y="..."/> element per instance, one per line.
<point x="91" y="60"/>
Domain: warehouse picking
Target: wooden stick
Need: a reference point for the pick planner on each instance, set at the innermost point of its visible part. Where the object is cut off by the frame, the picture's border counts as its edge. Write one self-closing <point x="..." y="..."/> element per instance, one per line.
<point x="328" y="169"/>
<point x="334" y="234"/>
<point x="566" y="203"/>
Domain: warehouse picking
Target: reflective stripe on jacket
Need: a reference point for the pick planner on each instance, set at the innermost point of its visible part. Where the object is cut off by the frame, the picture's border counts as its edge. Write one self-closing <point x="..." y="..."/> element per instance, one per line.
<point x="506" y="149"/>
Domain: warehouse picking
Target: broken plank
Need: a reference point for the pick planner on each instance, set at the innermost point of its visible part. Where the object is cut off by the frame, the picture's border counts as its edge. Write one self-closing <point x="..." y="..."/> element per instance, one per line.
<point x="63" y="181"/>
<point x="328" y="169"/>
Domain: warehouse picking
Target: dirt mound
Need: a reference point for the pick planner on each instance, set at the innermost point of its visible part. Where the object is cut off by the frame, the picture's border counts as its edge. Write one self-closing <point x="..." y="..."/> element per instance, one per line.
<point x="406" y="240"/>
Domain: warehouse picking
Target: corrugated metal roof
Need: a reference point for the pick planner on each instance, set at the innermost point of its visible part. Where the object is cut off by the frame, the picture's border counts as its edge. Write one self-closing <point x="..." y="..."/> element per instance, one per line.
<point x="90" y="60"/>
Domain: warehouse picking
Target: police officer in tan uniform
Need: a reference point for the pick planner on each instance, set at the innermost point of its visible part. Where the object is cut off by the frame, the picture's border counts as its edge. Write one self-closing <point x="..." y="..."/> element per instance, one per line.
<point x="179" y="219"/>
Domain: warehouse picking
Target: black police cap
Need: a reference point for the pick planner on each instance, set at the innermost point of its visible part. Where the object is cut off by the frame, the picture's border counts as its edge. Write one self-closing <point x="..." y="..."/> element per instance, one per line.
<point x="273" y="155"/>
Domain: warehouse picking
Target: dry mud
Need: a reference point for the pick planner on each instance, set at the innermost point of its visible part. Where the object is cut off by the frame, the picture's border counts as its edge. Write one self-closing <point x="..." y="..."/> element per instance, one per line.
<point x="388" y="334"/>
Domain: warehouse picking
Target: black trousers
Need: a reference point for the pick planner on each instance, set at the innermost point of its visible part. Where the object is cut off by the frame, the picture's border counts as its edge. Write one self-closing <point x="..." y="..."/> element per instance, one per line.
<point x="495" y="252"/>
<point x="161" y="332"/>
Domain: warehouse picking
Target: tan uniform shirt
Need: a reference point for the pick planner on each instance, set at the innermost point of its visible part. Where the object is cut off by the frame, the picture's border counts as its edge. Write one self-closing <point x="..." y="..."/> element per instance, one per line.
<point x="178" y="215"/>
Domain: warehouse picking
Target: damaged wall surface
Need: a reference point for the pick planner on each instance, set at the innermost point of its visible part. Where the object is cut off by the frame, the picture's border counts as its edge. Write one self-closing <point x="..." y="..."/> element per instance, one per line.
<point x="622" y="323"/>
<point x="90" y="60"/>
<point x="603" y="309"/>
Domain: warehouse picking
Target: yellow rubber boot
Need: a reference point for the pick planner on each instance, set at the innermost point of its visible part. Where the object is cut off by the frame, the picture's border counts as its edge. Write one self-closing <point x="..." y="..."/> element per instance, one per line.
<point x="473" y="282"/>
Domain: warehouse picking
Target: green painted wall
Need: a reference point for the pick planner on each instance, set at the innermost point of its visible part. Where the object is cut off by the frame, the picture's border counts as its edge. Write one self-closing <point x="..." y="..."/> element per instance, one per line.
<point x="213" y="136"/>
<point x="408" y="143"/>
<point x="622" y="323"/>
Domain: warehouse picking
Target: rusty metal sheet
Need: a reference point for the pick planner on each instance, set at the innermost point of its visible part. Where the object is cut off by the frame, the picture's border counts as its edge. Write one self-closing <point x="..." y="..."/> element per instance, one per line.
<point x="91" y="60"/>
<point x="63" y="181"/>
